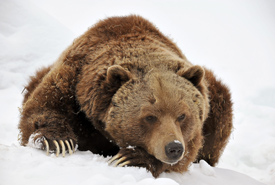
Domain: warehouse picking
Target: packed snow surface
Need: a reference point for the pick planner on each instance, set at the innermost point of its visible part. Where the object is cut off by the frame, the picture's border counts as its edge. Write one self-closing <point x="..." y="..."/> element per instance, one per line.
<point x="236" y="39"/>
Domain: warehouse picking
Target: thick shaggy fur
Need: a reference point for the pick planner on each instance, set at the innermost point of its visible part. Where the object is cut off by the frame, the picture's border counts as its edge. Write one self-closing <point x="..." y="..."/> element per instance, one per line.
<point x="100" y="89"/>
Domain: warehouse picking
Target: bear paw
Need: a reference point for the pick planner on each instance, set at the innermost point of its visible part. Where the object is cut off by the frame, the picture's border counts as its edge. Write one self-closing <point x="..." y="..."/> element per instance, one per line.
<point x="39" y="141"/>
<point x="137" y="157"/>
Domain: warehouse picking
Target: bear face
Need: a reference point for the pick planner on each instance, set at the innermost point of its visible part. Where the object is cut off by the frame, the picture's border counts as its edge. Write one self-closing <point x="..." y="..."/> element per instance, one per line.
<point x="159" y="111"/>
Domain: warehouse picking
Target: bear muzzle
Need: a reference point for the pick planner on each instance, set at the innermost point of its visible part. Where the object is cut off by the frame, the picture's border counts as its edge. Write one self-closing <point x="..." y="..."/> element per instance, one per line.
<point x="174" y="150"/>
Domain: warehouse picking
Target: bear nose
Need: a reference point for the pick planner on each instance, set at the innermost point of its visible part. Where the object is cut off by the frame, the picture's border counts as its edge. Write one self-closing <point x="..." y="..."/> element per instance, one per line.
<point x="174" y="150"/>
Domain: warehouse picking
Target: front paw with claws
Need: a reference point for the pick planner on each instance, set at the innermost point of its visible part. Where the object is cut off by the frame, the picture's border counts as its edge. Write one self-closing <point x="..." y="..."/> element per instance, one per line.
<point x="140" y="158"/>
<point x="60" y="147"/>
<point x="56" y="146"/>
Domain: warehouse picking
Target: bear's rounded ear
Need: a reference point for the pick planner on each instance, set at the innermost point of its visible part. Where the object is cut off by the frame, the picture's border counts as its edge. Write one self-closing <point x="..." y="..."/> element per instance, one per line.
<point x="194" y="74"/>
<point x="117" y="75"/>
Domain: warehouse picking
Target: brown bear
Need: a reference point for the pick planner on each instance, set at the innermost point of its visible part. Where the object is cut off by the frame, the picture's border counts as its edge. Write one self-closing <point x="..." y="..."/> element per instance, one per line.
<point x="123" y="89"/>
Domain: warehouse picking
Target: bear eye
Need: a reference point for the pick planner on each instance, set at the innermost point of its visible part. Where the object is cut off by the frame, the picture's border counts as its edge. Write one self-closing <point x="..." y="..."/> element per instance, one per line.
<point x="151" y="119"/>
<point x="181" y="117"/>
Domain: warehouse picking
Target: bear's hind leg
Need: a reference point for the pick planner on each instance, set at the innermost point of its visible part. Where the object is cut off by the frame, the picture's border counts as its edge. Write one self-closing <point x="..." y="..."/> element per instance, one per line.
<point x="218" y="126"/>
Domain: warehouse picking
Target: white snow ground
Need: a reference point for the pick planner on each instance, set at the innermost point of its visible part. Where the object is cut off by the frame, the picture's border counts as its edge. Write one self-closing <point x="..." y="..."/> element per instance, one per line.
<point x="235" y="38"/>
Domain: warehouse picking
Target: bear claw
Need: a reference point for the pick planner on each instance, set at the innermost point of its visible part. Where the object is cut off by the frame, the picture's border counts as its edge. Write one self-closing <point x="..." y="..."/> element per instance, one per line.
<point x="69" y="147"/>
<point x="63" y="147"/>
<point x="57" y="148"/>
<point x="47" y="146"/>
<point x="116" y="157"/>
<point x="124" y="164"/>
<point x="121" y="160"/>
<point x="72" y="143"/>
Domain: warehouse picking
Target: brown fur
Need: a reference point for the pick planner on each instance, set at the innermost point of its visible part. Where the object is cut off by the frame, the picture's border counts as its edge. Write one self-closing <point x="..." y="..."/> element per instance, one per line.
<point x="102" y="89"/>
<point x="218" y="125"/>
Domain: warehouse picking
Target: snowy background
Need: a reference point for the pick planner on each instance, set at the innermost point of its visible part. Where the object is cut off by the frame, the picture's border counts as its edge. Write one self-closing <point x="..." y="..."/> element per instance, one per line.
<point x="234" y="38"/>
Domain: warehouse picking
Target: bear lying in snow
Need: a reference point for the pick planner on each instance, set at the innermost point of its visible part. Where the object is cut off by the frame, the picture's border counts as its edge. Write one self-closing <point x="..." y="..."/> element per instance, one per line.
<point x="123" y="89"/>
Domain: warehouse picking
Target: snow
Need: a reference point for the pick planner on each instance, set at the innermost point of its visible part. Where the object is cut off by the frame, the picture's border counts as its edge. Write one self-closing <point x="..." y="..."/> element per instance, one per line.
<point x="206" y="169"/>
<point x="177" y="141"/>
<point x="233" y="38"/>
<point x="35" y="143"/>
<point x="32" y="166"/>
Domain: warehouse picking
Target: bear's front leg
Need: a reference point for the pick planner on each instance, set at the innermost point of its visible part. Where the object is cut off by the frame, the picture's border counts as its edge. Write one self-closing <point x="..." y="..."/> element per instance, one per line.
<point x="50" y="132"/>
<point x="140" y="158"/>
<point x="49" y="111"/>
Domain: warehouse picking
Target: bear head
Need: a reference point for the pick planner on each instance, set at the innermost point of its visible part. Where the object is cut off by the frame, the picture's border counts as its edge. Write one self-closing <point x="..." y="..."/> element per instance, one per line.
<point x="159" y="110"/>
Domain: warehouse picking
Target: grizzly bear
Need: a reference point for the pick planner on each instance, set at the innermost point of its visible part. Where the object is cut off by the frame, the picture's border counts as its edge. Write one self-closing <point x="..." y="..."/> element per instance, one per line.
<point x="125" y="90"/>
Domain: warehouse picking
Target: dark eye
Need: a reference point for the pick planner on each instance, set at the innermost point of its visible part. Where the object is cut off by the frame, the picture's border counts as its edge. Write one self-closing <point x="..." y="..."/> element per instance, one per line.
<point x="181" y="118"/>
<point x="151" y="119"/>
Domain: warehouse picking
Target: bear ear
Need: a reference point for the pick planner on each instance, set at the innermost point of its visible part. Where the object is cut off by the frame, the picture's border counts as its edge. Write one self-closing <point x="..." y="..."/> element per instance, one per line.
<point x="117" y="75"/>
<point x="194" y="74"/>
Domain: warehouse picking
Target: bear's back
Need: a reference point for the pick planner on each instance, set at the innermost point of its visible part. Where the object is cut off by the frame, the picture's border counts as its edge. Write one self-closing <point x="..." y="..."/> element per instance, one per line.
<point x="119" y="28"/>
